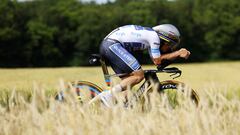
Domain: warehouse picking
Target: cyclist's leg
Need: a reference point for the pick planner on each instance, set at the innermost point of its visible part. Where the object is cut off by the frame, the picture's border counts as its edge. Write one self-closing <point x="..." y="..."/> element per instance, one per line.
<point x="134" y="78"/>
<point x="122" y="62"/>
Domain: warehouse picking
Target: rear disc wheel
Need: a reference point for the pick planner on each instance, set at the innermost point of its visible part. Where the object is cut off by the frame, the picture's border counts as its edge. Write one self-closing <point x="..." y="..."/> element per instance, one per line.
<point x="81" y="90"/>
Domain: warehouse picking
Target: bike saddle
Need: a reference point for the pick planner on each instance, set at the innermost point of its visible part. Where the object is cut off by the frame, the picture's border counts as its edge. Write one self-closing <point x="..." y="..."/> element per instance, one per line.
<point x="94" y="59"/>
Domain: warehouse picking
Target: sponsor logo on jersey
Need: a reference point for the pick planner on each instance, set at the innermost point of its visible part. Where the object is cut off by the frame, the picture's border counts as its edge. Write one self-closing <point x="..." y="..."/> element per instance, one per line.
<point x="120" y="33"/>
<point x="125" y="56"/>
<point x="136" y="34"/>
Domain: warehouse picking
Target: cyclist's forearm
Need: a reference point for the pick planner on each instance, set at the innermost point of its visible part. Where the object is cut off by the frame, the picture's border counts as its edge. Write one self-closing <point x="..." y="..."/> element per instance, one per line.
<point x="171" y="56"/>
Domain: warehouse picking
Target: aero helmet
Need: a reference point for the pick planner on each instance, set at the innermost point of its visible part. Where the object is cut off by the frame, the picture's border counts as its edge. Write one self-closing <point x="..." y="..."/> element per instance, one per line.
<point x="168" y="33"/>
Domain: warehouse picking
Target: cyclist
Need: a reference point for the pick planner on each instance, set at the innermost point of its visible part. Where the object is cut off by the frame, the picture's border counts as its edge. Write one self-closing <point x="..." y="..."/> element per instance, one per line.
<point x="117" y="48"/>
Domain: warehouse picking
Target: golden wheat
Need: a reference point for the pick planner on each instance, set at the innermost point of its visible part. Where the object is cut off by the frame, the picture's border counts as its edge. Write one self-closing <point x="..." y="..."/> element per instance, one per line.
<point x="43" y="115"/>
<point x="218" y="113"/>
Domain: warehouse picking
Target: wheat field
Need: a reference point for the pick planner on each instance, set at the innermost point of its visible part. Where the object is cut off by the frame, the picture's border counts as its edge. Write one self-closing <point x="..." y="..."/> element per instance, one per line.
<point x="28" y="107"/>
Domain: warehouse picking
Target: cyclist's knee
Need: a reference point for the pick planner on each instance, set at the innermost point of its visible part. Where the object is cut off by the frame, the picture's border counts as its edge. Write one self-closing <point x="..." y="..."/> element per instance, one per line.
<point x="139" y="75"/>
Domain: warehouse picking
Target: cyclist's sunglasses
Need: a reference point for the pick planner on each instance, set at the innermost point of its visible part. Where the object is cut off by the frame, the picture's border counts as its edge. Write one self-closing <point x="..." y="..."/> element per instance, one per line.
<point x="171" y="42"/>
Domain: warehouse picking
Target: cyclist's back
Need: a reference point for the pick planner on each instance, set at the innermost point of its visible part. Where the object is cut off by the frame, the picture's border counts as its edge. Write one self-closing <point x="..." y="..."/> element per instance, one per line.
<point x="134" y="37"/>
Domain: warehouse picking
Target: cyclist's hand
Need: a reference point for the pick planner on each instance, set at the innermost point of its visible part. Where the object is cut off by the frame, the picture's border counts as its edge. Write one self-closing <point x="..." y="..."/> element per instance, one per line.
<point x="164" y="64"/>
<point x="184" y="53"/>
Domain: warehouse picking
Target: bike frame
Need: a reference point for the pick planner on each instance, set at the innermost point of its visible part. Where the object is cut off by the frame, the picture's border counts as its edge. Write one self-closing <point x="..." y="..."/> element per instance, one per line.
<point x="151" y="79"/>
<point x="149" y="75"/>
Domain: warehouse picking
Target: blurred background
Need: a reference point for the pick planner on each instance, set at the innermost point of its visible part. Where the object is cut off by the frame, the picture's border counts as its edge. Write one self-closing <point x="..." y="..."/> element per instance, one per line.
<point x="55" y="33"/>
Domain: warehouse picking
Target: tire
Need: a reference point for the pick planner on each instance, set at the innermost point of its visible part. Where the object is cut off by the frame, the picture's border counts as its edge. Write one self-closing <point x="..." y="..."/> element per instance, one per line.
<point x="177" y="86"/>
<point x="79" y="88"/>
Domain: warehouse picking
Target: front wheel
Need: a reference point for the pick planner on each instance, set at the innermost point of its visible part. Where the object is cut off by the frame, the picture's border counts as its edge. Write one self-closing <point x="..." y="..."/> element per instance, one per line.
<point x="172" y="89"/>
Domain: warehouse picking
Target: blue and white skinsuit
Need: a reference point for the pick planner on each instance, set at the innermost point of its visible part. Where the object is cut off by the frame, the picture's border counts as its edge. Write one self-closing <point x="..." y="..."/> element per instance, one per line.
<point x="118" y="46"/>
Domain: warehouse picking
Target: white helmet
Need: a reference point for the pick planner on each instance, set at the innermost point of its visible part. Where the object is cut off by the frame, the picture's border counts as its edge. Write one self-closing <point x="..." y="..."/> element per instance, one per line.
<point x="168" y="33"/>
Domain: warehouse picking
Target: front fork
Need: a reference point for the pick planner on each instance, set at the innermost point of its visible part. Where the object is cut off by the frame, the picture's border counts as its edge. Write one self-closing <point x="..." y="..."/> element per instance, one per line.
<point x="150" y="78"/>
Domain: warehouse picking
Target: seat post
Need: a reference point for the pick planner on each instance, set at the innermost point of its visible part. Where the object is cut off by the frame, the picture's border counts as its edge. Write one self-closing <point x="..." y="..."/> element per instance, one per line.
<point x="94" y="59"/>
<point x="105" y="71"/>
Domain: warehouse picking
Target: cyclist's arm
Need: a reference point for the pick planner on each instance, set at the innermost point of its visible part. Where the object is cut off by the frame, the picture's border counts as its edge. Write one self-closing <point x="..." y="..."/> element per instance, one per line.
<point x="182" y="53"/>
<point x="170" y="56"/>
<point x="154" y="48"/>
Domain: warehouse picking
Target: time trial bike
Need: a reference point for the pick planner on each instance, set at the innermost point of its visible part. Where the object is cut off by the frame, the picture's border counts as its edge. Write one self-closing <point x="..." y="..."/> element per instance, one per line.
<point x="171" y="88"/>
